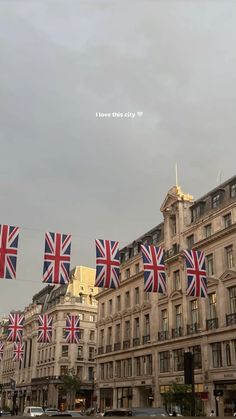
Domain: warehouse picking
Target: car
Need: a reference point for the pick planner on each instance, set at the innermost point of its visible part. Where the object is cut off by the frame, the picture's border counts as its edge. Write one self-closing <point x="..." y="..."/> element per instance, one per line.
<point x="74" y="413"/>
<point x="5" y="413"/>
<point x="33" y="411"/>
<point x="51" y="411"/>
<point x="149" y="411"/>
<point x="118" y="412"/>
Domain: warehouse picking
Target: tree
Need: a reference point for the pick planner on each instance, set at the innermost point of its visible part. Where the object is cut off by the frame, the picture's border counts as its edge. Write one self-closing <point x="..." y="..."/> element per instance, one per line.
<point x="71" y="384"/>
<point x="179" y="395"/>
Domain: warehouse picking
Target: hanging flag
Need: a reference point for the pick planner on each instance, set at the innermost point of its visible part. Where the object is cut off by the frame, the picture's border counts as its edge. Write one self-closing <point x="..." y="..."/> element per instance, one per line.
<point x="72" y="329"/>
<point x="56" y="267"/>
<point x="44" y="328"/>
<point x="196" y="273"/>
<point x="154" y="269"/>
<point x="1" y="350"/>
<point x="15" y="327"/>
<point x="107" y="264"/>
<point x="18" y="351"/>
<point x="8" y="251"/>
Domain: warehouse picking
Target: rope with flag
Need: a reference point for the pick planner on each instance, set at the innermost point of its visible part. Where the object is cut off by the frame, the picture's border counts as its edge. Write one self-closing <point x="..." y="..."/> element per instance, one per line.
<point x="196" y="273"/>
<point x="107" y="264"/>
<point x="154" y="269"/>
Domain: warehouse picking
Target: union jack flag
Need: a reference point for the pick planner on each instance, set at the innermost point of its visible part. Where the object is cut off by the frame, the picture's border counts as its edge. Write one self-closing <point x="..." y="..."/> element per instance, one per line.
<point x="57" y="258"/>
<point x="18" y="351"/>
<point x="45" y="328"/>
<point x="1" y="350"/>
<point x="107" y="264"/>
<point x="8" y="251"/>
<point x="15" y="327"/>
<point x="72" y="329"/>
<point x="196" y="273"/>
<point x="154" y="269"/>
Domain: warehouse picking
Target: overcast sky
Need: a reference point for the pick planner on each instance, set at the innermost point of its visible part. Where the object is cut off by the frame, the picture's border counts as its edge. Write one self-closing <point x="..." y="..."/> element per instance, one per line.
<point x="64" y="169"/>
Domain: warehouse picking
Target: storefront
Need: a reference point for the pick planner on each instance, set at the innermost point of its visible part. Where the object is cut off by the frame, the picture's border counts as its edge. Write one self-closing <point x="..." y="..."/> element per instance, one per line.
<point x="225" y="396"/>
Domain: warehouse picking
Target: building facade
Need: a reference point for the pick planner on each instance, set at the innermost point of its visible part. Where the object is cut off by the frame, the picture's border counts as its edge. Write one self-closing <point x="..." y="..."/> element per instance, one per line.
<point x="142" y="337"/>
<point x="38" y="378"/>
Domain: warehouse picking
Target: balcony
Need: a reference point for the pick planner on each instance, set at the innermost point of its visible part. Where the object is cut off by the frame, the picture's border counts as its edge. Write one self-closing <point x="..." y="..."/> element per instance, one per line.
<point x="212" y="324"/>
<point x="108" y="348"/>
<point x="164" y="335"/>
<point x="136" y="341"/>
<point x="230" y="319"/>
<point x="192" y="328"/>
<point x="146" y="339"/>
<point x="126" y="344"/>
<point x="117" y="346"/>
<point x="100" y="350"/>
<point x="177" y="332"/>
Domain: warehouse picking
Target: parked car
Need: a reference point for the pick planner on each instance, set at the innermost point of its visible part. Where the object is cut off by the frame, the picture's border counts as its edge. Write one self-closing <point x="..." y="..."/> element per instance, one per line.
<point x="118" y="412"/>
<point x="74" y="413"/>
<point x="149" y="411"/>
<point x="50" y="411"/>
<point x="33" y="411"/>
<point x="5" y="413"/>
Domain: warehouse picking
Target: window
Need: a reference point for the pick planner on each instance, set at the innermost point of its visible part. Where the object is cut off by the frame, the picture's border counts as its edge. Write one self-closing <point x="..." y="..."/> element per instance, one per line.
<point x="80" y="353"/>
<point x="90" y="373"/>
<point x="178" y="316"/>
<point x="91" y="353"/>
<point x="148" y="361"/>
<point x="92" y="335"/>
<point x="102" y="371"/>
<point x="173" y="225"/>
<point x="216" y="200"/>
<point x="227" y="220"/>
<point x="81" y="334"/>
<point x="164" y="320"/>
<point x="65" y="350"/>
<point x="109" y="336"/>
<point x="118" y="334"/>
<point x="233" y="190"/>
<point x="102" y="310"/>
<point x="190" y="241"/>
<point x="216" y="355"/>
<point x="81" y="316"/>
<point x="155" y="238"/>
<point x="210" y="264"/>
<point x="194" y="311"/>
<point x="136" y="328"/>
<point x="63" y="369"/>
<point x="137" y="268"/>
<point x="136" y="249"/>
<point x="136" y="296"/>
<point x="127" y="254"/>
<point x="118" y="369"/>
<point x="110" y="306"/>
<point x="196" y="212"/>
<point x="127" y="330"/>
<point x="196" y="350"/>
<point x="229" y="256"/>
<point x="176" y="280"/>
<point x="101" y="337"/>
<point x="228" y="354"/>
<point x="118" y="303"/>
<point x="208" y="230"/>
<point x="212" y="305"/>
<point x="92" y="318"/>
<point x="127" y="299"/>
<point x="178" y="359"/>
<point x="137" y="365"/>
<point x="127" y="273"/>
<point x="130" y="367"/>
<point x="164" y="361"/>
<point x="146" y="325"/>
<point x="232" y="299"/>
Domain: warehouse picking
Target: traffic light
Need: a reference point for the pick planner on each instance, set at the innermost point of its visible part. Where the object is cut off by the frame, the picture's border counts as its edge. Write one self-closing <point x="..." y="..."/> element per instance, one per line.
<point x="188" y="368"/>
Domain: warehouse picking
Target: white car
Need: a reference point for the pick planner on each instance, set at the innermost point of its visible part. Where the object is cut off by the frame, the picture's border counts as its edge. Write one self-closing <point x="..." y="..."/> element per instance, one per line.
<point x="33" y="411"/>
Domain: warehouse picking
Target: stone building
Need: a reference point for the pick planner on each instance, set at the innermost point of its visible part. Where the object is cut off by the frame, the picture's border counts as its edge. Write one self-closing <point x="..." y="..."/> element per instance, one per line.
<point x="142" y="337"/>
<point x="38" y="377"/>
